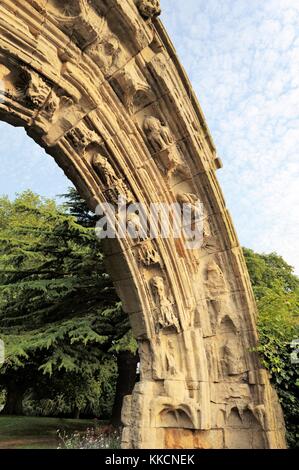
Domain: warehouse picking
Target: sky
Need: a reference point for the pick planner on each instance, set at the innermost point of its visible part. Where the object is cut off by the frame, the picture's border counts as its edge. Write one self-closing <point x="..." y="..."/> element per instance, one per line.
<point x="243" y="61"/>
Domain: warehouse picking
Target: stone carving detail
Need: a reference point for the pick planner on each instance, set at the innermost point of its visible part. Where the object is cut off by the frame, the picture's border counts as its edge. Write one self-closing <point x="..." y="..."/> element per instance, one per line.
<point x="176" y="415"/>
<point x="115" y="185"/>
<point x="162" y="143"/>
<point x="148" y="255"/>
<point x="232" y="358"/>
<point x="81" y="138"/>
<point x="105" y="170"/>
<point x="105" y="52"/>
<point x="52" y="104"/>
<point x="55" y="107"/>
<point x="67" y="9"/>
<point x="34" y="89"/>
<point x="135" y="226"/>
<point x="171" y="365"/>
<point x="158" y="134"/>
<point x="132" y="88"/>
<point x="259" y="411"/>
<point x="149" y="8"/>
<point x="191" y="201"/>
<point x="165" y="317"/>
<point x="78" y="18"/>
<point x="208" y="240"/>
<point x="98" y="85"/>
<point x="215" y="283"/>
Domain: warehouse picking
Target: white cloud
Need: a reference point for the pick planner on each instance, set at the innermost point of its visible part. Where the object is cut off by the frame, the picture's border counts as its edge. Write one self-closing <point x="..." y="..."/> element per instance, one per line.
<point x="243" y="60"/>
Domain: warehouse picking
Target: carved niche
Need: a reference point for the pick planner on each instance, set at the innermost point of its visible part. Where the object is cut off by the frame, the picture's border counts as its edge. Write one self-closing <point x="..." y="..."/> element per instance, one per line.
<point x="171" y="361"/>
<point x="149" y="8"/>
<point x="164" y="310"/>
<point x="215" y="283"/>
<point x="81" y="138"/>
<point x="24" y="85"/>
<point x="243" y="430"/>
<point x="148" y="255"/>
<point x="162" y="142"/>
<point x="209" y="243"/>
<point x="78" y="18"/>
<point x="115" y="185"/>
<point x="173" y="414"/>
<point x="132" y="88"/>
<point x="232" y="358"/>
<point x="136" y="226"/>
<point x="191" y="202"/>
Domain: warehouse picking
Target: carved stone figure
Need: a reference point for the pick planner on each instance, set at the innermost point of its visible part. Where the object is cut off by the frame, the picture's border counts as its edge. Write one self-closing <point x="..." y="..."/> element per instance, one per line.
<point x="215" y="283"/>
<point x="36" y="90"/>
<point x="135" y="227"/>
<point x="191" y="203"/>
<point x="232" y="358"/>
<point x="158" y="135"/>
<point x="52" y="104"/>
<point x="105" y="170"/>
<point x="133" y="88"/>
<point x="105" y="52"/>
<point x="110" y="180"/>
<point x="80" y="138"/>
<point x="149" y="8"/>
<point x="165" y="314"/>
<point x="148" y="255"/>
<point x="162" y="143"/>
<point x="209" y="241"/>
<point x="170" y="359"/>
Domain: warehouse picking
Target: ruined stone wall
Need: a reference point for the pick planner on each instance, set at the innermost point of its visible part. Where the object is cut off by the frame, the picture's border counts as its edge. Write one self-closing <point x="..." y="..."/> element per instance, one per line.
<point x="99" y="86"/>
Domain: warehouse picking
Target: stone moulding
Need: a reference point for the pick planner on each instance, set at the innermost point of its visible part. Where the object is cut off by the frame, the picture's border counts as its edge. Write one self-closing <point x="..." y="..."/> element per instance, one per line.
<point x="98" y="84"/>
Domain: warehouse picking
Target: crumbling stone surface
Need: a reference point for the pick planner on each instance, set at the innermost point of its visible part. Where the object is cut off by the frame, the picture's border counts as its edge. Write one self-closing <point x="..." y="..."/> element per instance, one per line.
<point x="98" y="85"/>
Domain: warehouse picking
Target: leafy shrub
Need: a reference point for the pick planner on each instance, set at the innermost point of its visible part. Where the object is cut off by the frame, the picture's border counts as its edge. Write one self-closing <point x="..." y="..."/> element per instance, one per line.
<point x="276" y="289"/>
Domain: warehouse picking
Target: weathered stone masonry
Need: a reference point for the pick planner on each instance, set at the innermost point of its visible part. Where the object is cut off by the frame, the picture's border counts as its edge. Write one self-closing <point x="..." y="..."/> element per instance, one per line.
<point x="98" y="84"/>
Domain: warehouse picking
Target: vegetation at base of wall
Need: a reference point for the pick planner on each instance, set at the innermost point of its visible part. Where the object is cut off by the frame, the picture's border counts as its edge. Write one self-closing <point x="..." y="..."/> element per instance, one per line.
<point x="92" y="438"/>
<point x="23" y="432"/>
<point x="276" y="290"/>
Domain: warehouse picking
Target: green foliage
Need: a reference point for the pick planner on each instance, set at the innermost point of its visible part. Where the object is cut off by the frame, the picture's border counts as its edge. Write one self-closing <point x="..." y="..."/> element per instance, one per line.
<point x="60" y="317"/>
<point x="277" y="292"/>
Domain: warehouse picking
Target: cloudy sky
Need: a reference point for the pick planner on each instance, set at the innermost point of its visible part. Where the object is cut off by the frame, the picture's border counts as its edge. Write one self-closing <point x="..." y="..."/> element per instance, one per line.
<point x="243" y="61"/>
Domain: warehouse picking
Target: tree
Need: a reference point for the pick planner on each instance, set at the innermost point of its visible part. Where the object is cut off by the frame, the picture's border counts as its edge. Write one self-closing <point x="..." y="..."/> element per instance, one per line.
<point x="276" y="288"/>
<point x="59" y="312"/>
<point x="124" y="347"/>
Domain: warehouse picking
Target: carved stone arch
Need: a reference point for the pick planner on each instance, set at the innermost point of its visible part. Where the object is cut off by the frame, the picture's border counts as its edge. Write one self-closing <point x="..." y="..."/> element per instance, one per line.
<point x="73" y="86"/>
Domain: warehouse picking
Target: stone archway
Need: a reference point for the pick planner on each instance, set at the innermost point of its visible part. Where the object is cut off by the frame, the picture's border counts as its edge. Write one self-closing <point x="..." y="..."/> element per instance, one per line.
<point x="99" y="83"/>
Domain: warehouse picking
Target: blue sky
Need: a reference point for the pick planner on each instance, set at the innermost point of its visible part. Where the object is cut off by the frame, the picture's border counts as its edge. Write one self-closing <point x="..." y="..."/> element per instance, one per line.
<point x="243" y="60"/>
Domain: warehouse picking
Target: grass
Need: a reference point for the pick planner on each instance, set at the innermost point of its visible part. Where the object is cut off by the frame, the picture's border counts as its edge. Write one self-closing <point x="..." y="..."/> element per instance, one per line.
<point x="21" y="432"/>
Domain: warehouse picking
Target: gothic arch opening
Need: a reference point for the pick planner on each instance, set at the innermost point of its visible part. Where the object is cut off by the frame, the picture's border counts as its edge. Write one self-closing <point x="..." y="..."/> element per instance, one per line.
<point x="104" y="75"/>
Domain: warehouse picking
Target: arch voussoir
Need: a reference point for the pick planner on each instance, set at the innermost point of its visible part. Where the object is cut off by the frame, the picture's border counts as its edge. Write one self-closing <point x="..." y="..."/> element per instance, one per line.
<point x="99" y="85"/>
